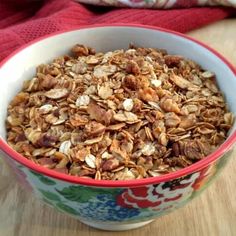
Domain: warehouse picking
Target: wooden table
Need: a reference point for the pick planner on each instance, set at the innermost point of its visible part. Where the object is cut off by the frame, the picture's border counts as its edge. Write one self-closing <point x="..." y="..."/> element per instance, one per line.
<point x="211" y="214"/>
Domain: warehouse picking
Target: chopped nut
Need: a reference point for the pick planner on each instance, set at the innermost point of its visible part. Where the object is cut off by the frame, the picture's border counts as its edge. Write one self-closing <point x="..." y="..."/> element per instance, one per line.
<point x="94" y="128"/>
<point x="172" y="60"/>
<point x="110" y="164"/>
<point x="169" y="105"/>
<point x="46" y="141"/>
<point x="78" y="120"/>
<point x="99" y="114"/>
<point x="148" y="95"/>
<point x="132" y="68"/>
<point x="130" y="82"/>
<point x="81" y="50"/>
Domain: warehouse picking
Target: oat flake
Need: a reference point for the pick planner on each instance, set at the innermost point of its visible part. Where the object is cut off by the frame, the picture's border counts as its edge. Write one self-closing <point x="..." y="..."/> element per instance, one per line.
<point x="128" y="104"/>
<point x="82" y="101"/>
<point x="90" y="160"/>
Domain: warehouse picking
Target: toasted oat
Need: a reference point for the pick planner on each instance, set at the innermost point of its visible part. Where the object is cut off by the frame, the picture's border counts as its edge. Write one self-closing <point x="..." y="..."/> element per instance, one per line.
<point x="156" y="83"/>
<point x="57" y="93"/>
<point x="65" y="147"/>
<point x="90" y="160"/>
<point x="125" y="114"/>
<point x="105" y="91"/>
<point x="148" y="149"/>
<point x="128" y="104"/>
<point x="44" y="109"/>
<point x="82" y="101"/>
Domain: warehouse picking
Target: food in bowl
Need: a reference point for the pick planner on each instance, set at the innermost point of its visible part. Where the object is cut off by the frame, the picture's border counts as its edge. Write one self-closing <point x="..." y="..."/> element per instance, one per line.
<point x="119" y="204"/>
<point x="124" y="114"/>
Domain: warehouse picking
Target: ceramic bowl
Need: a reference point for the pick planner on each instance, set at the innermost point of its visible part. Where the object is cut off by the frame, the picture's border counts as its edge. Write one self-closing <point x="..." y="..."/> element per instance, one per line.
<point x="114" y="205"/>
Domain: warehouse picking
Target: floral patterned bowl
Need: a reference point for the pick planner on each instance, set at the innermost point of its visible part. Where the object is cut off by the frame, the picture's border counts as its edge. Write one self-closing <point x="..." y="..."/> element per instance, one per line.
<point x="114" y="205"/>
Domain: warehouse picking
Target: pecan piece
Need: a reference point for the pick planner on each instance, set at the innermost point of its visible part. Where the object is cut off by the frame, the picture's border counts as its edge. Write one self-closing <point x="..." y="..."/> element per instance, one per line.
<point x="81" y="50"/>
<point x="110" y="164"/>
<point x="148" y="94"/>
<point x="99" y="114"/>
<point x="169" y="105"/>
<point x="132" y="67"/>
<point x="130" y="82"/>
<point x="93" y="129"/>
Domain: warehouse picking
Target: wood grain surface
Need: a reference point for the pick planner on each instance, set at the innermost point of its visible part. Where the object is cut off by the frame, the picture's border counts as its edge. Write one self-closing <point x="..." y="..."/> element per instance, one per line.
<point x="211" y="214"/>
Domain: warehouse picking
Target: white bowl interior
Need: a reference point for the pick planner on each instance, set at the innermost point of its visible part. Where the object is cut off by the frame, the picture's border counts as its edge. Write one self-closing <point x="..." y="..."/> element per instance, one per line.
<point x="22" y="66"/>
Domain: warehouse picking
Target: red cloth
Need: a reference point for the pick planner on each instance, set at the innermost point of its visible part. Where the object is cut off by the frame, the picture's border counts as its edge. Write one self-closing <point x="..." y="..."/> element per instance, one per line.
<point x="25" y="20"/>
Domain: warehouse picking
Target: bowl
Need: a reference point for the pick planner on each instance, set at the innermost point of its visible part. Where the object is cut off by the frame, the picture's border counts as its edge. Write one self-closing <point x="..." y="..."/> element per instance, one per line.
<point x="106" y="204"/>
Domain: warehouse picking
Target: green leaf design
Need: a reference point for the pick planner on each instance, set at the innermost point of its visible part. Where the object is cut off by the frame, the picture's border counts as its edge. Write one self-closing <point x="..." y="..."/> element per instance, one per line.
<point x="49" y="195"/>
<point x="44" y="179"/>
<point x="83" y="194"/>
<point x="35" y="173"/>
<point x="47" y="201"/>
<point x="66" y="208"/>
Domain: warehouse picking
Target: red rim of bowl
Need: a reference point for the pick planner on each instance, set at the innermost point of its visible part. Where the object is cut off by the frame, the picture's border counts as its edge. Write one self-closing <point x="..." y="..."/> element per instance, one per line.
<point x="121" y="183"/>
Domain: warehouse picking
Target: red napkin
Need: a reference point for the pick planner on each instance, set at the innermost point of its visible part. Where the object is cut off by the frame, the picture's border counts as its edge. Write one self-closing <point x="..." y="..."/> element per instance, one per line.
<point x="24" y="20"/>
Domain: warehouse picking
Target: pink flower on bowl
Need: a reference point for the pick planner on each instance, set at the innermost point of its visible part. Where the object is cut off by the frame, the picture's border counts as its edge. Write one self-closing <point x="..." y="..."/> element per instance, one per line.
<point x="166" y="194"/>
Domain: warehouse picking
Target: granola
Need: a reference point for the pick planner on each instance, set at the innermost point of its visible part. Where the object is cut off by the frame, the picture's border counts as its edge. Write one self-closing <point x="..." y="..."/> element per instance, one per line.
<point x="126" y="114"/>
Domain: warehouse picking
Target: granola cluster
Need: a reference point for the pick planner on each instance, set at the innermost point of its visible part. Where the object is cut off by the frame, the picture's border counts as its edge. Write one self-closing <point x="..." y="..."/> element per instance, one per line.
<point x="126" y="114"/>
